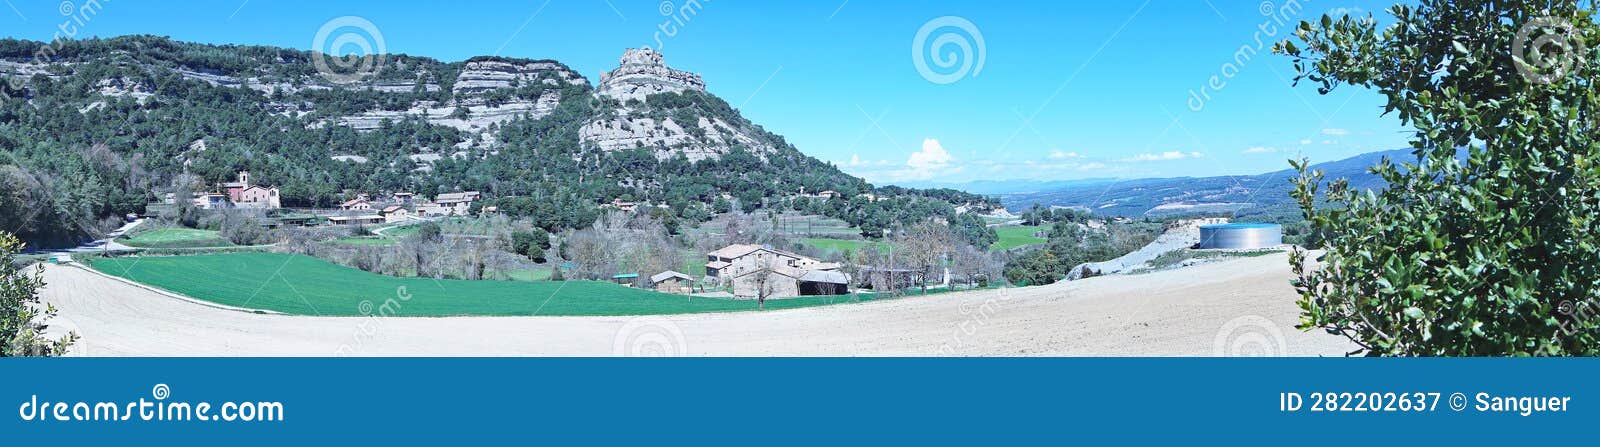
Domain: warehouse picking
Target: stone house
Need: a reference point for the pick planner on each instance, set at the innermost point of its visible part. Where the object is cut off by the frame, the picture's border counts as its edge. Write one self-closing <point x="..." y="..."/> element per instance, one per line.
<point x="751" y="269"/>
<point x="459" y="202"/>
<point x="395" y="214"/>
<point x="356" y="204"/>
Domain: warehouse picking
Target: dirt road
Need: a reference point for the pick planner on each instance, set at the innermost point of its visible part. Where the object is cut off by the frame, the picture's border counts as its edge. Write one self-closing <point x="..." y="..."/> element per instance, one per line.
<point x="1239" y="307"/>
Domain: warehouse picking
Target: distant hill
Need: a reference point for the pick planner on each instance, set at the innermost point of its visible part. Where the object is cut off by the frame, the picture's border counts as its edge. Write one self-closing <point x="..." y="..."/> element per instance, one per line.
<point x="994" y="187"/>
<point x="1165" y="196"/>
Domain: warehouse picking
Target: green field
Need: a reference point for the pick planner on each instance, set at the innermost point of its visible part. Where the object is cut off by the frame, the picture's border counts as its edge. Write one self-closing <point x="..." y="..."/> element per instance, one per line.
<point x="1017" y="236"/>
<point x="304" y="285"/>
<point x="174" y="237"/>
<point x="839" y="245"/>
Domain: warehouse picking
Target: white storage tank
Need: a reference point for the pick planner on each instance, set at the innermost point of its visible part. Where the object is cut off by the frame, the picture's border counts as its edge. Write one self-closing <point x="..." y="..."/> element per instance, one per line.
<point x="1241" y="235"/>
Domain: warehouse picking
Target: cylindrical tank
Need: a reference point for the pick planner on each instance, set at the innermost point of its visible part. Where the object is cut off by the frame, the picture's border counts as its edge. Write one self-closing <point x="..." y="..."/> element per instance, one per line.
<point x="1241" y="235"/>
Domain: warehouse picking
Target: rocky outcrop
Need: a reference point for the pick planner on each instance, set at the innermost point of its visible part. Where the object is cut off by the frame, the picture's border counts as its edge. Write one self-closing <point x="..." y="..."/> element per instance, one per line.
<point x="483" y="76"/>
<point x="637" y="123"/>
<point x="119" y="87"/>
<point x="643" y="72"/>
<point x="666" y="138"/>
<point x="478" y="117"/>
<point x="476" y="78"/>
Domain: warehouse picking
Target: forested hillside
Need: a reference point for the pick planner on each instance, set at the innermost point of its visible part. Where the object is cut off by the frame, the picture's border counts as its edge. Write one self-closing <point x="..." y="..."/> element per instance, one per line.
<point x="93" y="129"/>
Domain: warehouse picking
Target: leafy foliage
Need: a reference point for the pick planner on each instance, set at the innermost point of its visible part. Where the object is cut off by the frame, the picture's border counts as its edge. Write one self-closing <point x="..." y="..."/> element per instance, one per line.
<point x="22" y="320"/>
<point x="1496" y="255"/>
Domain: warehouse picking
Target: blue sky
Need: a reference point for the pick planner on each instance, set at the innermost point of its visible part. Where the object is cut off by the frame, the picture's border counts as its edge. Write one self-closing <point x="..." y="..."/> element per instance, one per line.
<point x="1065" y="90"/>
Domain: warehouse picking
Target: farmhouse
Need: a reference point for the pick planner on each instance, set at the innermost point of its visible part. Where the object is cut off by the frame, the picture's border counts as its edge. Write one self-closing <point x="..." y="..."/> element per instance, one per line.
<point x="755" y="270"/>
<point x="619" y="205"/>
<point x="394" y="214"/>
<point x="433" y="210"/>
<point x="458" y="202"/>
<point x="402" y="197"/>
<point x="211" y="201"/>
<point x="672" y="282"/>
<point x="356" y="204"/>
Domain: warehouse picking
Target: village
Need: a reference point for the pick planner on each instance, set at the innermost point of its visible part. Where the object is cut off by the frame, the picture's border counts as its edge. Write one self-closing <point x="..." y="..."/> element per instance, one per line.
<point x="736" y="270"/>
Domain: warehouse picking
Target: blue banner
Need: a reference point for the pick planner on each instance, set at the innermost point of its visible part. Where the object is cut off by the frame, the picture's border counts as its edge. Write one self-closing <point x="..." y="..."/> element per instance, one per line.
<point x="795" y="401"/>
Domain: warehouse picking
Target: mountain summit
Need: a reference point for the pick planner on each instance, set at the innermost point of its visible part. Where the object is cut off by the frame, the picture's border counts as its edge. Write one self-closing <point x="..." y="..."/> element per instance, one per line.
<point x="642" y="73"/>
<point x="648" y="105"/>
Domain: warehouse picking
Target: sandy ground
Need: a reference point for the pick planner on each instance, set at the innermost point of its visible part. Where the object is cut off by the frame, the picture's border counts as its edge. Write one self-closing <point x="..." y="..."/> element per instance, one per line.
<point x="1239" y="307"/>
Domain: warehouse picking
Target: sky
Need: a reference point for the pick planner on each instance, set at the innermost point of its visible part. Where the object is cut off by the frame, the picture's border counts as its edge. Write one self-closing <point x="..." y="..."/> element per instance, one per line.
<point x="894" y="91"/>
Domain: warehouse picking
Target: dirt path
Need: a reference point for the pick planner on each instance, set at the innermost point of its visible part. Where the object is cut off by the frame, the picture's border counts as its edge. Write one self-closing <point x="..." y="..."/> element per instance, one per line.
<point x="1238" y="307"/>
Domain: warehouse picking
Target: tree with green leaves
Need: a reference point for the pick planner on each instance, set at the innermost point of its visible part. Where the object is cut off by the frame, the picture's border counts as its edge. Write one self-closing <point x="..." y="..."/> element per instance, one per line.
<point x="22" y="321"/>
<point x="1486" y="244"/>
<point x="530" y="244"/>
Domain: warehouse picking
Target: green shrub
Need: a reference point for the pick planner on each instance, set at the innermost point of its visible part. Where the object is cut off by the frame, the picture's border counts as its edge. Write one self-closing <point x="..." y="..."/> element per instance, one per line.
<point x="22" y="319"/>
<point x="1496" y="255"/>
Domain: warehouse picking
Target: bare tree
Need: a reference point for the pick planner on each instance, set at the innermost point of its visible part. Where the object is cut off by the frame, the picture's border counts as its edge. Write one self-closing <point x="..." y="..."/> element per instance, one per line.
<point x="972" y="263"/>
<point x="925" y="246"/>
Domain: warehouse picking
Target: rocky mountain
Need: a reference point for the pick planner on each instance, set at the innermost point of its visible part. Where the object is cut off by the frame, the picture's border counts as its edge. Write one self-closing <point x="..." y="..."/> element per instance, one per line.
<point x="639" y="122"/>
<point x="109" y="124"/>
<point x="642" y="73"/>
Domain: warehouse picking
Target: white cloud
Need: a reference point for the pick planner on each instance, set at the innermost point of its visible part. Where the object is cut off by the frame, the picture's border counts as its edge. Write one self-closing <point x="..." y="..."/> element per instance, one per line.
<point x="930" y="162"/>
<point x="1350" y="11"/>
<point x="932" y="157"/>
<point x="1330" y="141"/>
<point x="1057" y="154"/>
<point x="855" y="160"/>
<point x="1335" y="132"/>
<point x="1260" y="150"/>
<point x="1091" y="166"/>
<point x="1305" y="142"/>
<point x="1164" y="156"/>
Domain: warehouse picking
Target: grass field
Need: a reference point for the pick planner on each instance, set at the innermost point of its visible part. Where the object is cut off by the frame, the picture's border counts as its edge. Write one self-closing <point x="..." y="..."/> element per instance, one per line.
<point x="175" y="237"/>
<point x="402" y="232"/>
<point x="304" y="285"/>
<point x="1017" y="236"/>
<point x="839" y="245"/>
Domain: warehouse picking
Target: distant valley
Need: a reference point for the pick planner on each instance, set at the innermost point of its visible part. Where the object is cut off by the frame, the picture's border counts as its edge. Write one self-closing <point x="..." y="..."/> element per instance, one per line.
<point x="1181" y="195"/>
